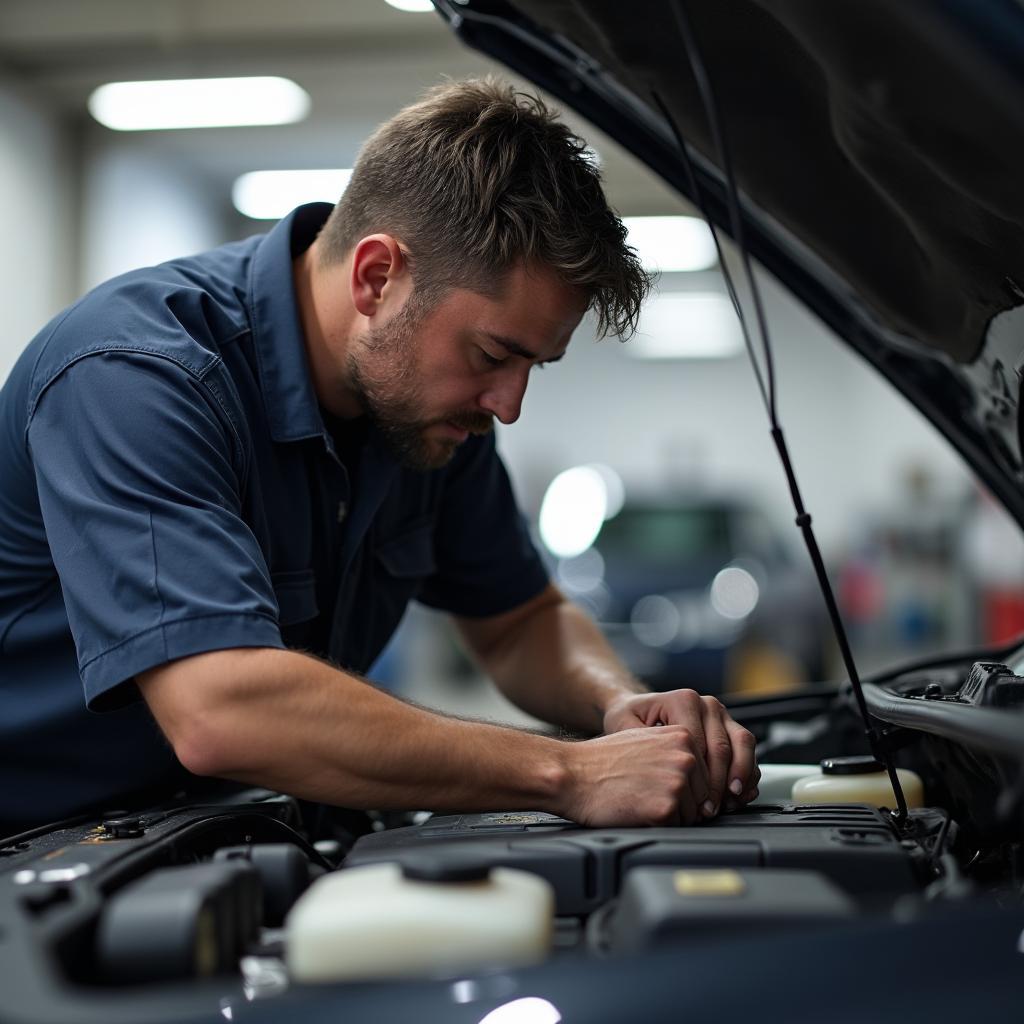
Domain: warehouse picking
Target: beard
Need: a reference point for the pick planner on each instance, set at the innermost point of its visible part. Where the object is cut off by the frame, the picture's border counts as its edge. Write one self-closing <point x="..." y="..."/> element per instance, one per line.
<point x="385" y="376"/>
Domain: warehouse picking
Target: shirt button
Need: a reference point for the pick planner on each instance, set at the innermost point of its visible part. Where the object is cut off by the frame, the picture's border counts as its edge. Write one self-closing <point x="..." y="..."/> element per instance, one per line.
<point x="342" y="512"/>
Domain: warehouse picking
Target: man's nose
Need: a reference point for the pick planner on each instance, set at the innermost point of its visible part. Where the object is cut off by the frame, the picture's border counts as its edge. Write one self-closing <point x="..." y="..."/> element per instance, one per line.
<point x="504" y="395"/>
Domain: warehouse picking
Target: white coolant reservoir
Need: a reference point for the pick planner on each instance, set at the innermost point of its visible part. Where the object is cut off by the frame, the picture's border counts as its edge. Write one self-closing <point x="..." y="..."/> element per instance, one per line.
<point x="856" y="780"/>
<point x="777" y="780"/>
<point x="436" y="915"/>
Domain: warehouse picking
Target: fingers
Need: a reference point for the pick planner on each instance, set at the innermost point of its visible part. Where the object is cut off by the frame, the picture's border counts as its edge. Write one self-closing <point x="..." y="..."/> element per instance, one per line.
<point x="744" y="775"/>
<point x="683" y="778"/>
<point x="690" y="780"/>
<point x="697" y="763"/>
<point x="632" y="711"/>
<point x="635" y="777"/>
<point x="718" y="754"/>
<point x="727" y="776"/>
<point x="688" y="808"/>
<point x="684" y="707"/>
<point x="752" y="793"/>
<point x="696" y="769"/>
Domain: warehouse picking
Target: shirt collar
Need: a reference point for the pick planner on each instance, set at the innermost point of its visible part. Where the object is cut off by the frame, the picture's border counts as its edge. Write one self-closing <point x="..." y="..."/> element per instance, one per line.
<point x="291" y="405"/>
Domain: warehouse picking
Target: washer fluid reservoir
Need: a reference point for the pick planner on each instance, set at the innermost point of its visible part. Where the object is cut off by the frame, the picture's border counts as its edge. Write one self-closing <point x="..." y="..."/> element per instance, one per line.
<point x="440" y="914"/>
<point x="856" y="780"/>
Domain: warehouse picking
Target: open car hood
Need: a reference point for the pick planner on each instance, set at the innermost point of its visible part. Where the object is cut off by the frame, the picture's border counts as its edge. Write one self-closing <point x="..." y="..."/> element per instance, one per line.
<point x="877" y="148"/>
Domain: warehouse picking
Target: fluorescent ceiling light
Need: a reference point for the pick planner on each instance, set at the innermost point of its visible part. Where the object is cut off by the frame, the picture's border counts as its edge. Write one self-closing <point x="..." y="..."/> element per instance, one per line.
<point x="198" y="103"/>
<point x="671" y="244"/>
<point x="270" y="195"/>
<point x="574" y="507"/>
<point x="412" y="6"/>
<point x="614" y="488"/>
<point x="687" y="325"/>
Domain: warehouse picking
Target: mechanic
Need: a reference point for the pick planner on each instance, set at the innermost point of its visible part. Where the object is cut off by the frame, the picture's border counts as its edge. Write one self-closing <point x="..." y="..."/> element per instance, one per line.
<point x="225" y="477"/>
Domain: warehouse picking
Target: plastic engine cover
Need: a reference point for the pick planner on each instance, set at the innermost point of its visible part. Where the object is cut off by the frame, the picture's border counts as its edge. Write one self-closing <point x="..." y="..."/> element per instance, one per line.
<point x="673" y="904"/>
<point x="853" y="846"/>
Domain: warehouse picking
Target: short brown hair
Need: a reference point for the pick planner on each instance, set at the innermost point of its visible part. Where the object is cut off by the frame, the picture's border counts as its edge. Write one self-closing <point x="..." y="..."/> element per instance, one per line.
<point x="476" y="178"/>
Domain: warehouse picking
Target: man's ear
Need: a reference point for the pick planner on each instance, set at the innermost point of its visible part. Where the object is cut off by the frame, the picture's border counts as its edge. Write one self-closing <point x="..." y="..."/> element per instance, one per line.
<point x="379" y="268"/>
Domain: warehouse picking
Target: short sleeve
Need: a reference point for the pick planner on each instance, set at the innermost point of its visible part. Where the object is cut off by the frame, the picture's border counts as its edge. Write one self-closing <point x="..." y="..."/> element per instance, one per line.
<point x="137" y="468"/>
<point x="486" y="561"/>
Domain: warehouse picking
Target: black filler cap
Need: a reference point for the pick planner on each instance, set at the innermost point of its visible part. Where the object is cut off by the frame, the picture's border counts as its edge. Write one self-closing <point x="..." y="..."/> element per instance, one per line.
<point x="861" y="764"/>
<point x="447" y="867"/>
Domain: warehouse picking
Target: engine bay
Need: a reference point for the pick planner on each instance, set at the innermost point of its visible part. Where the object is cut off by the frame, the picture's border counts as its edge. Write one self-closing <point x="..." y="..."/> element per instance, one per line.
<point x="182" y="911"/>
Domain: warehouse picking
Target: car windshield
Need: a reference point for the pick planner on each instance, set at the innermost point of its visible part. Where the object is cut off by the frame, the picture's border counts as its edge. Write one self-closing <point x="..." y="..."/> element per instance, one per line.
<point x="667" y="532"/>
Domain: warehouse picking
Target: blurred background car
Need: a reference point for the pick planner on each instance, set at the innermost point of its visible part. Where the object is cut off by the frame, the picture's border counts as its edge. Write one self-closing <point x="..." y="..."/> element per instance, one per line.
<point x="701" y="591"/>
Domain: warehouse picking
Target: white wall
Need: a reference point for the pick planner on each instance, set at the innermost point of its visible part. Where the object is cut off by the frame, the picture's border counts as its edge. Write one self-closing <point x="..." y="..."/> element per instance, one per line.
<point x="696" y="423"/>
<point x="36" y="218"/>
<point x="73" y="215"/>
<point x="139" y="208"/>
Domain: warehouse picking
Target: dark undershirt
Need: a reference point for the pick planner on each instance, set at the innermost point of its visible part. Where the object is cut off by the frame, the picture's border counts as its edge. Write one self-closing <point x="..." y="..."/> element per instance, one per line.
<point x="349" y="437"/>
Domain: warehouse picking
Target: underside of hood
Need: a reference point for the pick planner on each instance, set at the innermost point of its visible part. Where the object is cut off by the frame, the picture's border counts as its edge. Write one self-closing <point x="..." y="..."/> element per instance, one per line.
<point x="878" y="149"/>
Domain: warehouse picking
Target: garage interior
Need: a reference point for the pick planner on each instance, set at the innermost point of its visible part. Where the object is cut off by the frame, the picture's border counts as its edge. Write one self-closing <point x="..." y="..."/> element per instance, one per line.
<point x="922" y="561"/>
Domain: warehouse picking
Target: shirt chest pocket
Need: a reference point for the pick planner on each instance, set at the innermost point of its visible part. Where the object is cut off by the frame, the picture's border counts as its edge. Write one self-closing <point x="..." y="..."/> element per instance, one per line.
<point x="295" y="591"/>
<point x="385" y="576"/>
<point x="410" y="555"/>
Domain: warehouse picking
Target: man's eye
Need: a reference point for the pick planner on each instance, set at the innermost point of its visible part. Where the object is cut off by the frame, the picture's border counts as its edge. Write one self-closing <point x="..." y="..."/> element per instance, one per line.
<point x="488" y="358"/>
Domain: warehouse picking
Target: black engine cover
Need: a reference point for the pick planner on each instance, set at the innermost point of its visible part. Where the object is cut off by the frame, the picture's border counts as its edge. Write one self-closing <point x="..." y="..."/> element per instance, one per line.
<point x="853" y="845"/>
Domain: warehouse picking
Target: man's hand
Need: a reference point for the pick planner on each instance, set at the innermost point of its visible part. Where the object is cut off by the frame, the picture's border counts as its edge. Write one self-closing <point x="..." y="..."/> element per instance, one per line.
<point x="636" y="777"/>
<point x="725" y="749"/>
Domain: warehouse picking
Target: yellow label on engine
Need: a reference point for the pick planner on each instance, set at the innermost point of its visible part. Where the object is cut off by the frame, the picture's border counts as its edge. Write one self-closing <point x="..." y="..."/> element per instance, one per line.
<point x="709" y="883"/>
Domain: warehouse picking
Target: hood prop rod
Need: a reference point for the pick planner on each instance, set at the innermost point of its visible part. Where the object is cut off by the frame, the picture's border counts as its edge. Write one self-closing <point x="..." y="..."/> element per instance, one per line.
<point x="803" y="519"/>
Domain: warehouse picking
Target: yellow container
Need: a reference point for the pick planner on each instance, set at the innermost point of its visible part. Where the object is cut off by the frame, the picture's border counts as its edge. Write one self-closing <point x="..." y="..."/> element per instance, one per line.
<point x="873" y="787"/>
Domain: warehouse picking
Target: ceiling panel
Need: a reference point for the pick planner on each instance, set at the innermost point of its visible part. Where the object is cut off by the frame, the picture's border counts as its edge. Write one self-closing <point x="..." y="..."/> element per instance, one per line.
<point x="360" y="61"/>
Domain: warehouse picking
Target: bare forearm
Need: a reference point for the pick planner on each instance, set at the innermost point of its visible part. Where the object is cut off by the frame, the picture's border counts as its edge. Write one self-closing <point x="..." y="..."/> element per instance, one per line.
<point x="295" y="724"/>
<point x="292" y="723"/>
<point x="557" y="665"/>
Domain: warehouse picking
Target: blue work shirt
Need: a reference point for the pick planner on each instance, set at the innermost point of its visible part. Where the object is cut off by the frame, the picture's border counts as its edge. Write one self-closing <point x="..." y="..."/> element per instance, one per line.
<point x="167" y="487"/>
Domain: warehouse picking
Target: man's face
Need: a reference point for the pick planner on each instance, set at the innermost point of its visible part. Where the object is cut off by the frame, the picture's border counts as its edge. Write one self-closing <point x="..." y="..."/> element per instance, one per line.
<point x="428" y="379"/>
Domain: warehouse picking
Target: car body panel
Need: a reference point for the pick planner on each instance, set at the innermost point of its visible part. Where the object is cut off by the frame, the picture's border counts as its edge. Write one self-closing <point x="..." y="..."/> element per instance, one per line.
<point x="877" y="148"/>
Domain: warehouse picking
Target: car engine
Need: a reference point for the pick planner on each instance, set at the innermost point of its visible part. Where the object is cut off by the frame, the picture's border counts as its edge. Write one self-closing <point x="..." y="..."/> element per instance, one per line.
<point x="187" y="911"/>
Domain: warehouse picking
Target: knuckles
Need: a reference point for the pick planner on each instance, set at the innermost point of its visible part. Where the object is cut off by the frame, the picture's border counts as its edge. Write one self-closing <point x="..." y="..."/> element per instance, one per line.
<point x="690" y="699"/>
<point x="663" y="810"/>
<point x="665" y="772"/>
<point x="744" y="738"/>
<point x="720" y="750"/>
<point x="678" y="734"/>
